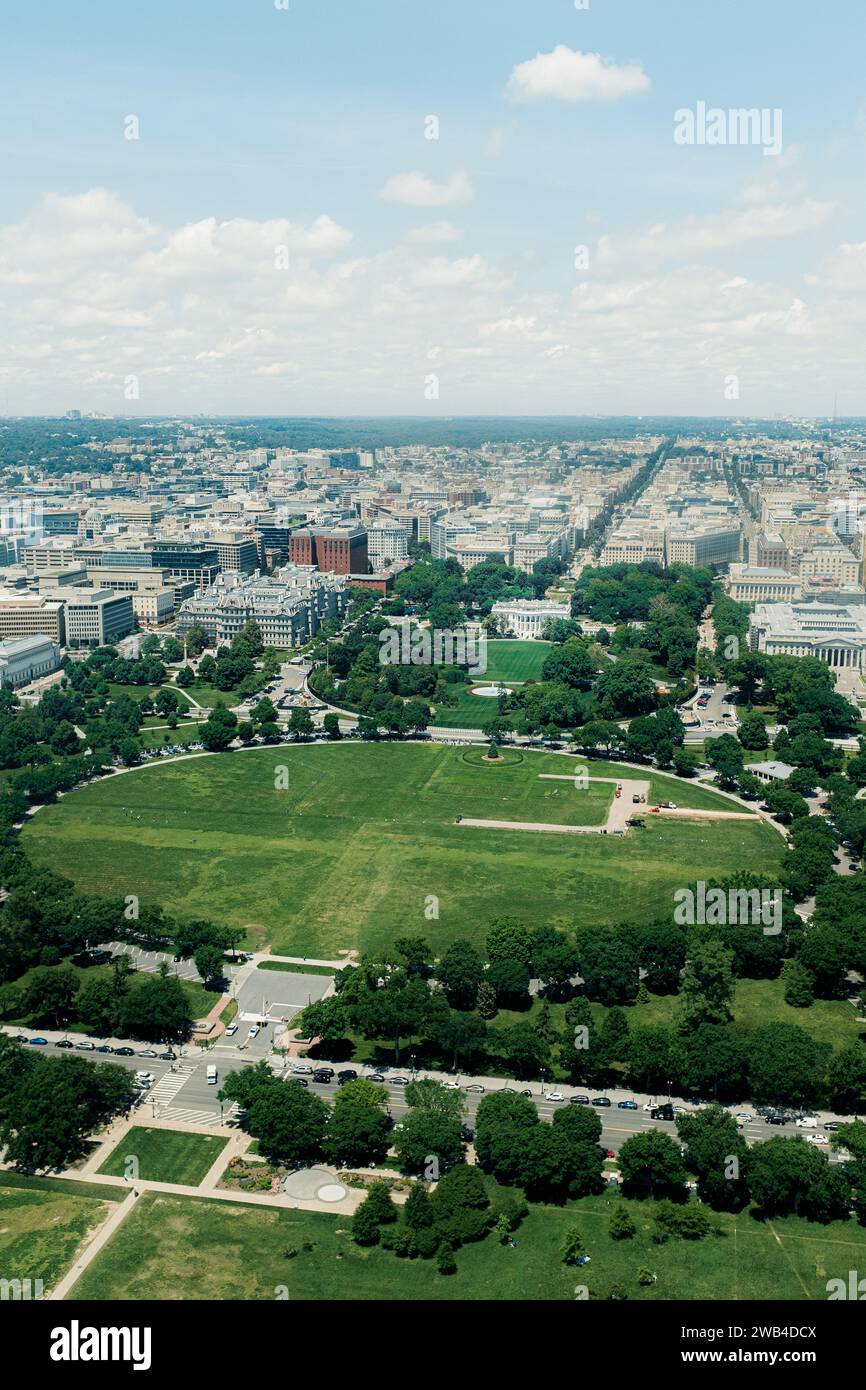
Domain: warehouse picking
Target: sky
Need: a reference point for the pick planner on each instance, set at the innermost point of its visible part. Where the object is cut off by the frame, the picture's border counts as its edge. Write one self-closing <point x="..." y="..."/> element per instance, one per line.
<point x="432" y="207"/>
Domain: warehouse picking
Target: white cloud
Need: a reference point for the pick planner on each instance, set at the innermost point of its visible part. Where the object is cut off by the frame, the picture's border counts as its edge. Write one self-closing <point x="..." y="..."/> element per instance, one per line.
<point x="719" y="231"/>
<point x="566" y="74"/>
<point x="434" y="233"/>
<point x="209" y="323"/>
<point x="417" y="191"/>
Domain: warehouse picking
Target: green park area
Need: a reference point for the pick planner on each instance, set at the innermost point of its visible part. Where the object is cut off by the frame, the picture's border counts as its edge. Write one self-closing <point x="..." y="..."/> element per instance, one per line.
<point x="43" y="1223"/>
<point x="343" y="848"/>
<point x="509" y="662"/>
<point x="243" y="1252"/>
<point x="165" y="1155"/>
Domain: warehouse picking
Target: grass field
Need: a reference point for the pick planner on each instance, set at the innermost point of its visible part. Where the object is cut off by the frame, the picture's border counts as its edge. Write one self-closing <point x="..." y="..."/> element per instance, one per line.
<point x="240" y="1253"/>
<point x="511" y="662"/>
<point x="348" y="854"/>
<point x="165" y="1155"/>
<point x="42" y="1227"/>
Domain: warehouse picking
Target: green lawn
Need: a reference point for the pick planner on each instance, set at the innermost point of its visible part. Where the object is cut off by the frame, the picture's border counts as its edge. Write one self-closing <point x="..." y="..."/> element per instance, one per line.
<point x="756" y="1003"/>
<point x="509" y="661"/>
<point x="348" y="855"/>
<point x="192" y="1248"/>
<point x="42" y="1227"/>
<point x="165" y="1155"/>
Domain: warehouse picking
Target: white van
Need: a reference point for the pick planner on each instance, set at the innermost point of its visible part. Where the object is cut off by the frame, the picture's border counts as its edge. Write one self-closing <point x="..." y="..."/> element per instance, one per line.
<point x="211" y="1076"/>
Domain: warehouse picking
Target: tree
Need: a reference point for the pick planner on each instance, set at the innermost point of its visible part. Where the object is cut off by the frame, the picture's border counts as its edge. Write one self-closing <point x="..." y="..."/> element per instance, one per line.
<point x="288" y="1122"/>
<point x="523" y="1050"/>
<point x="609" y="967"/>
<point x="331" y="725"/>
<point x="219" y="729"/>
<point x="752" y="732"/>
<point x="786" y="1065"/>
<point x="52" y="1107"/>
<point x="357" y="1133"/>
<point x="713" y="1141"/>
<point x="554" y="959"/>
<point x="622" y="1225"/>
<point x="301" y="723"/>
<point x="726" y="756"/>
<point x="707" y="987"/>
<point x="460" y="973"/>
<point x="846" y="1079"/>
<point x="49" y="993"/>
<point x="428" y="1136"/>
<point x="509" y="939"/>
<point x="435" y="1098"/>
<point x="798" y="984"/>
<point x="788" y="1176"/>
<point x="461" y="1206"/>
<point x="651" y="1166"/>
<point x="712" y="1060"/>
<point x="377" y="1210"/>
<point x="509" y="980"/>
<point x="417" y="1212"/>
<point x="210" y="965"/>
<point x="156" y="1009"/>
<point x="572" y="1245"/>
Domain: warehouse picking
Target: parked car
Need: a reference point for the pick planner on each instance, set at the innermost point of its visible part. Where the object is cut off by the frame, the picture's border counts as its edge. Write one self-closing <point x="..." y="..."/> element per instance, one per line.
<point x="601" y="1100"/>
<point x="626" y="1105"/>
<point x="831" y="1124"/>
<point x="398" y="1080"/>
<point x="745" y="1117"/>
<point x="466" y="1133"/>
<point x="817" y="1139"/>
<point x="376" y="1076"/>
<point x="231" y="1030"/>
<point x="38" y="1042"/>
<point x="149" y="1052"/>
<point x="299" y="1080"/>
<point x="451" y="1085"/>
<point x="552" y="1095"/>
<point x="124" y="1052"/>
<point x="253" y="1032"/>
<point x="323" y="1075"/>
<point x="63" y="1042"/>
<point x="85" y="1046"/>
<point x="578" y="1100"/>
<point x="302" y="1068"/>
<point x="105" y="1048"/>
<point x="168" y="1056"/>
<point x="474" y="1090"/>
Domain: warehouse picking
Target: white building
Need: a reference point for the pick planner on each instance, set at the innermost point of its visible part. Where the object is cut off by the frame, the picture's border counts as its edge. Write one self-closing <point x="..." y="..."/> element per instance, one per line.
<point x="833" y="632"/>
<point x="526" y="617"/>
<point x="26" y="659"/>
<point x="386" y="543"/>
<point x="761" y="584"/>
<point x="289" y="606"/>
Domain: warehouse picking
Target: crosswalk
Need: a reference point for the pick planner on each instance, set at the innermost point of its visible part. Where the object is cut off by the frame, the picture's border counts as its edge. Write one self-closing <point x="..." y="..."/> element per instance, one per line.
<point x="167" y="1087"/>
<point x="189" y="1117"/>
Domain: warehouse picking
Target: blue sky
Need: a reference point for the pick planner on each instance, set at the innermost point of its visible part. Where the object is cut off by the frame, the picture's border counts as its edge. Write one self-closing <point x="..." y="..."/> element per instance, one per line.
<point x="152" y="258"/>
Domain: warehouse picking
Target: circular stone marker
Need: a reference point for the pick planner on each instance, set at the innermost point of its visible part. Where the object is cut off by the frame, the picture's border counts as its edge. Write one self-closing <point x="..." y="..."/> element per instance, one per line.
<point x="331" y="1192"/>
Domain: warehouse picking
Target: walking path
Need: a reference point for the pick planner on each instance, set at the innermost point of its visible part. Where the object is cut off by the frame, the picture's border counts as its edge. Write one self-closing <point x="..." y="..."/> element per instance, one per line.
<point x="100" y="1239"/>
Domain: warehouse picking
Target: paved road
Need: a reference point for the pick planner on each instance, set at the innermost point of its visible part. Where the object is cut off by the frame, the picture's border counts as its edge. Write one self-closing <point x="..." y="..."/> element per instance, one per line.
<point x="185" y="1095"/>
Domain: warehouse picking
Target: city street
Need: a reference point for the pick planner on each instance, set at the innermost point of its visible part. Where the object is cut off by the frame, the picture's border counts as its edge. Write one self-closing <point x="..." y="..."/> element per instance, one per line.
<point x="181" y="1093"/>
